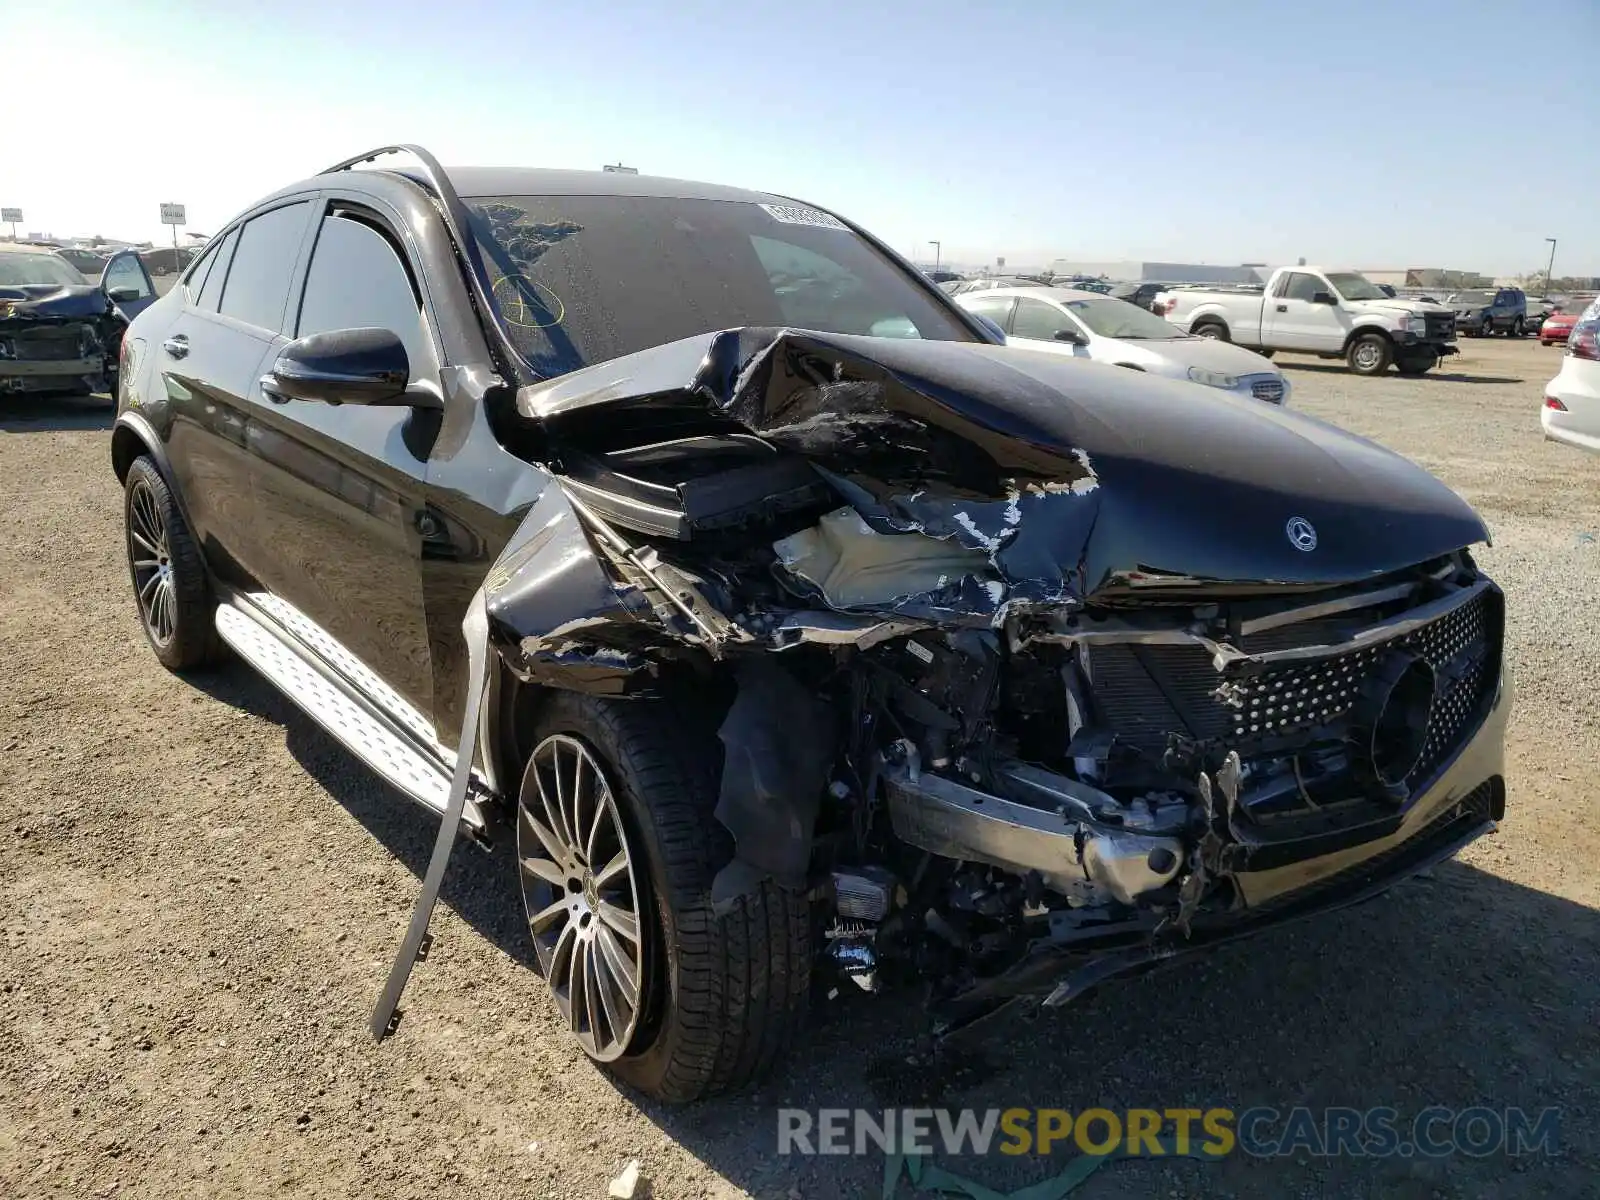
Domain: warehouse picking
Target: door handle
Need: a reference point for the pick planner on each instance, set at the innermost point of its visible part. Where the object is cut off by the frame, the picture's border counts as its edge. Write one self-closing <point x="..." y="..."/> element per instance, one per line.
<point x="177" y="346"/>
<point x="270" y="389"/>
<point x="1283" y="308"/>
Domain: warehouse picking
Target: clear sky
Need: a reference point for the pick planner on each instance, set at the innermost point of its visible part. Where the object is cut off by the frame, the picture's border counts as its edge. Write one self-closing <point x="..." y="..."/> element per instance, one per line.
<point x="1362" y="132"/>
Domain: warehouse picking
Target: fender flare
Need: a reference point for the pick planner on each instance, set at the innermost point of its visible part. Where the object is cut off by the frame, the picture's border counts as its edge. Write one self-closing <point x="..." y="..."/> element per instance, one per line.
<point x="1360" y="331"/>
<point x="132" y="436"/>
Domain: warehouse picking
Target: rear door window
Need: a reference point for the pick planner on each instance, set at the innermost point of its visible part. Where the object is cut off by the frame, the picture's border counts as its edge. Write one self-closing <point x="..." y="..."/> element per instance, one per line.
<point x="996" y="308"/>
<point x="357" y="281"/>
<point x="217" y="272"/>
<point x="263" y="264"/>
<point x="1039" y="321"/>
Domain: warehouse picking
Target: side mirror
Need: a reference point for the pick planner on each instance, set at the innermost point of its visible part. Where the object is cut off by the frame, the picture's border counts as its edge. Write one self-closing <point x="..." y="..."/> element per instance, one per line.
<point x="1324" y="298"/>
<point x="122" y="295"/>
<point x="344" y="366"/>
<point x="1072" y="337"/>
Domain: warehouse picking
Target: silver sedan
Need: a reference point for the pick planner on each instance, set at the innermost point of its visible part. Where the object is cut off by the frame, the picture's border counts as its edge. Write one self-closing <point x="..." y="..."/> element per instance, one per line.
<point x="1086" y="325"/>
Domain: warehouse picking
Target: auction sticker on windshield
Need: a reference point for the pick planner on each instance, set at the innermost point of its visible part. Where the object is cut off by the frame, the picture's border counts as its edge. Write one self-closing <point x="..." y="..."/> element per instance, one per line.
<point x="794" y="214"/>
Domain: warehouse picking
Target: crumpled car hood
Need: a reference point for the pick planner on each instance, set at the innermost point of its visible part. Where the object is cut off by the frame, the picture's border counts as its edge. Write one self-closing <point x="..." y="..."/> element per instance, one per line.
<point x="1072" y="476"/>
<point x="52" y="302"/>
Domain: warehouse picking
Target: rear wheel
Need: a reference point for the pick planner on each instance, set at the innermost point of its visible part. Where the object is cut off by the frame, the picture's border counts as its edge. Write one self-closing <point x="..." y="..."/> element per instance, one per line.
<point x="1370" y="354"/>
<point x="169" y="576"/>
<point x="618" y="845"/>
<point x="1517" y="328"/>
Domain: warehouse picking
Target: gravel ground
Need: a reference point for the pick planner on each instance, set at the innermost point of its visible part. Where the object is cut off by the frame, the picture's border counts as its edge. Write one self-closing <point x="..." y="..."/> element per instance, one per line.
<point x="200" y="894"/>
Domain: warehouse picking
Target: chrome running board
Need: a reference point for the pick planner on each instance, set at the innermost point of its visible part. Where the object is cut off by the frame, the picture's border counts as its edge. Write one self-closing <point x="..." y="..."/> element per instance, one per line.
<point x="343" y="695"/>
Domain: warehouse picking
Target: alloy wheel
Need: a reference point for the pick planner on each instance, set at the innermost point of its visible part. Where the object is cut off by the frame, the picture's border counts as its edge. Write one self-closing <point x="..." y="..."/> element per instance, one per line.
<point x="581" y="891"/>
<point x="150" y="557"/>
<point x="1367" y="355"/>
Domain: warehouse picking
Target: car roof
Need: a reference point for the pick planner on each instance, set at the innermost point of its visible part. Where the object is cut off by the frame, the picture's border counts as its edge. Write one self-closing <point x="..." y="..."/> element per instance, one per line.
<point x="538" y="181"/>
<point x="1051" y="293"/>
<point x="25" y="248"/>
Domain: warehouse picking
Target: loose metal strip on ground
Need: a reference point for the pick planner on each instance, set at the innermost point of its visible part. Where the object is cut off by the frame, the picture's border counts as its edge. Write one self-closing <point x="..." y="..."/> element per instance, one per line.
<point x="386" y="1016"/>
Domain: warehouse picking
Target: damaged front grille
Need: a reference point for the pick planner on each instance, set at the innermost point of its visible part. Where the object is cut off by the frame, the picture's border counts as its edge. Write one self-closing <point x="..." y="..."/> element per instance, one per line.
<point x="49" y="344"/>
<point x="1154" y="696"/>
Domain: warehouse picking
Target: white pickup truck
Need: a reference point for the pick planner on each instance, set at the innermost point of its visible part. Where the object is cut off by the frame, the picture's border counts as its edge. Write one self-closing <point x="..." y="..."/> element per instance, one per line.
<point x="1306" y="310"/>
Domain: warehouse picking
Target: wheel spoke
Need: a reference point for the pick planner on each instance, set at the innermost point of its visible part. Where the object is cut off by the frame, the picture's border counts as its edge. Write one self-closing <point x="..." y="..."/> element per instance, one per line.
<point x="617" y="962"/>
<point x="553" y="813"/>
<point x="549" y="913"/>
<point x="546" y="870"/>
<point x="146" y="564"/>
<point x="617" y="866"/>
<point x="597" y="999"/>
<point x="144" y="543"/>
<point x="561" y="957"/>
<point x="577" y="989"/>
<point x="147" y="591"/>
<point x="551" y="843"/>
<point x="164" y="609"/>
<point x="620" y="919"/>
<point x="602" y="806"/>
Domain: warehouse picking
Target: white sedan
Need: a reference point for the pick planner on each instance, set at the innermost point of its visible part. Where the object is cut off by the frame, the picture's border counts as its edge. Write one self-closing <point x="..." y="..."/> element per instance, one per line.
<point x="1105" y="329"/>
<point x="1571" y="411"/>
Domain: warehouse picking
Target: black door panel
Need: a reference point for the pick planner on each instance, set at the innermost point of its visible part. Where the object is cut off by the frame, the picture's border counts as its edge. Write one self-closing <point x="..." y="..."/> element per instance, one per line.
<point x="338" y="487"/>
<point x="205" y="389"/>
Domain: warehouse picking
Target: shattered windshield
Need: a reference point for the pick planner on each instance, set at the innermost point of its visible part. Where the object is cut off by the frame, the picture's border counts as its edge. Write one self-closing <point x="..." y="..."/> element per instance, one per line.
<point x="1115" y="318"/>
<point x="578" y="280"/>
<point x="20" y="270"/>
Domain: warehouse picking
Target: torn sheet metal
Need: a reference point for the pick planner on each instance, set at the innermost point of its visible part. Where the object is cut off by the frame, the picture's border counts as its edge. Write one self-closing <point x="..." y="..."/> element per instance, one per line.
<point x="778" y="747"/>
<point x="854" y="565"/>
<point x="1074" y="476"/>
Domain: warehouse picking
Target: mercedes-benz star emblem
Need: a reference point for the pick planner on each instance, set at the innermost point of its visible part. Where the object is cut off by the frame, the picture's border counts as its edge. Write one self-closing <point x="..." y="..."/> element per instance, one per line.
<point x="1302" y="533"/>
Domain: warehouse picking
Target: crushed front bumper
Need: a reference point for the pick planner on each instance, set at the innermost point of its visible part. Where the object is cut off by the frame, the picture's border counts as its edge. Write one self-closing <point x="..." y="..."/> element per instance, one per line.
<point x="1466" y="801"/>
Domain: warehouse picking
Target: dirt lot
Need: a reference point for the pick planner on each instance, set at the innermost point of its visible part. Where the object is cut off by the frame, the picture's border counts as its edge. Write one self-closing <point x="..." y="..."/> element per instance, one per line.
<point x="200" y="893"/>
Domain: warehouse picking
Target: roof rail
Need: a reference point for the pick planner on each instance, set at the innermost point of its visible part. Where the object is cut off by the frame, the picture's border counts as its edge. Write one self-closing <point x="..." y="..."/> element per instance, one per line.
<point x="456" y="222"/>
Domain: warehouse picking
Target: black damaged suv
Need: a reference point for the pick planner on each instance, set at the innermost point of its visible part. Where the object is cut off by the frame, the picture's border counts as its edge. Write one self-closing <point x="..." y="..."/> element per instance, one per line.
<point x="694" y="539"/>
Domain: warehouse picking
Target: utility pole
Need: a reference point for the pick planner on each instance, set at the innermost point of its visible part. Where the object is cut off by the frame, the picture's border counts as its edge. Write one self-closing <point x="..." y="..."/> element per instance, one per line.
<point x="1549" y="268"/>
<point x="938" y="248"/>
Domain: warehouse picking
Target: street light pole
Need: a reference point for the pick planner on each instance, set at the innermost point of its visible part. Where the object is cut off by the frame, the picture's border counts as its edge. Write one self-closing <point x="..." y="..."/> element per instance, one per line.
<point x="938" y="248"/>
<point x="1549" y="268"/>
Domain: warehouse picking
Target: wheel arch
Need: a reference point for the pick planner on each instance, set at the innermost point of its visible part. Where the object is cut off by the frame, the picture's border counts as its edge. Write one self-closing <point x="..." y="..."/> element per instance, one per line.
<point x="1361" y="331"/>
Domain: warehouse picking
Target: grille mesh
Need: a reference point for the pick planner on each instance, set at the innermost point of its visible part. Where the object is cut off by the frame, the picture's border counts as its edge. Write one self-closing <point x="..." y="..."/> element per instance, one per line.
<point x="1270" y="390"/>
<point x="1148" y="692"/>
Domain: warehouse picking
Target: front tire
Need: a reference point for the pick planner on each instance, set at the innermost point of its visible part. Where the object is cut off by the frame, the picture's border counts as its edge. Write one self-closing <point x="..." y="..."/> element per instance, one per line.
<point x="1212" y="329"/>
<point x="1370" y="354"/>
<point x="170" y="584"/>
<point x="1416" y="365"/>
<point x="1517" y="328"/>
<point x="715" y="998"/>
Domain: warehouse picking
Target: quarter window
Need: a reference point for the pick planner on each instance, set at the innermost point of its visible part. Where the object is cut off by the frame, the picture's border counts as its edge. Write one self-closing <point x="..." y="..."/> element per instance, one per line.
<point x="263" y="262"/>
<point x="358" y="281"/>
<point x="217" y="273"/>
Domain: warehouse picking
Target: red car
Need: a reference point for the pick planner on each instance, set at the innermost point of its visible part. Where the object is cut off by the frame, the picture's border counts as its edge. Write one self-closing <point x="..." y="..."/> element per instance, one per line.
<point x="1556" y="327"/>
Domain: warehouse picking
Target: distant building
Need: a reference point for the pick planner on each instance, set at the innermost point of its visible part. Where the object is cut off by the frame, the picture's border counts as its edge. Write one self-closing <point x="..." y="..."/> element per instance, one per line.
<point x="1130" y="271"/>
